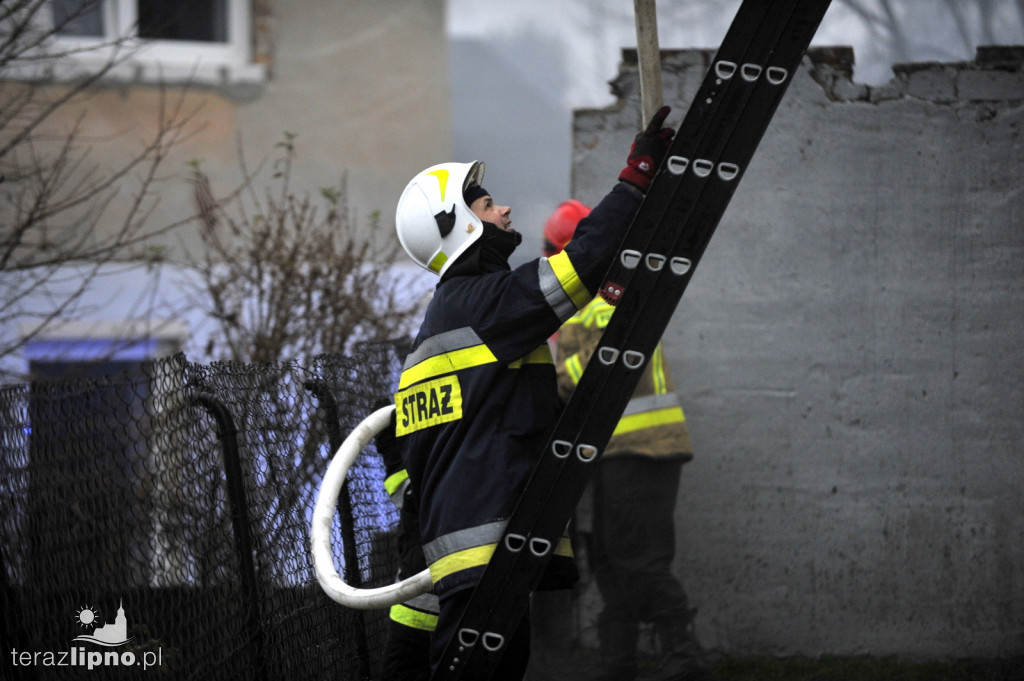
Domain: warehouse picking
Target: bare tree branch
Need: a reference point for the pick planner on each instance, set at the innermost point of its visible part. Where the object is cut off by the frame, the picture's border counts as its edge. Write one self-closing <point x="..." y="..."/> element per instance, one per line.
<point x="57" y="207"/>
<point x="288" y="276"/>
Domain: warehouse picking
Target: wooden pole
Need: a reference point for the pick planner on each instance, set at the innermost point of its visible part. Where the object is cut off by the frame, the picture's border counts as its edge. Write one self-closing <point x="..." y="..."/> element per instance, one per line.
<point x="648" y="58"/>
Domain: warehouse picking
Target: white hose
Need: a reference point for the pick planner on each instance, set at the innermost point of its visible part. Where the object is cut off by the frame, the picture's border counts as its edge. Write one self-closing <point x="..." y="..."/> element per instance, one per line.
<point x="323" y="515"/>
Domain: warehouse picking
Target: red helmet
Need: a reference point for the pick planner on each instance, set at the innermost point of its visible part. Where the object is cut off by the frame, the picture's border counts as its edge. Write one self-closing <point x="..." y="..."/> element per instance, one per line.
<point x="561" y="224"/>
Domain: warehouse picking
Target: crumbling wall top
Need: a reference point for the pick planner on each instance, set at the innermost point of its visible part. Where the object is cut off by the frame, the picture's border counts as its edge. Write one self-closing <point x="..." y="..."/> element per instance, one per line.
<point x="995" y="75"/>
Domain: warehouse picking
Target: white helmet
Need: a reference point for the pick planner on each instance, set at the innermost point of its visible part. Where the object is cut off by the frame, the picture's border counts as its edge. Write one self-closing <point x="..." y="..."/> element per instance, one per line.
<point x="433" y="221"/>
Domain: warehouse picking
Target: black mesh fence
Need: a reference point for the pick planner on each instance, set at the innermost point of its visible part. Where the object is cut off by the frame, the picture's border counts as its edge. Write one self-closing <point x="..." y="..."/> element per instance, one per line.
<point x="170" y="506"/>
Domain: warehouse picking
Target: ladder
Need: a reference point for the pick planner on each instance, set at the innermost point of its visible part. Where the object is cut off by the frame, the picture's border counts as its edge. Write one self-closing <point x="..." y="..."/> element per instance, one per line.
<point x="708" y="156"/>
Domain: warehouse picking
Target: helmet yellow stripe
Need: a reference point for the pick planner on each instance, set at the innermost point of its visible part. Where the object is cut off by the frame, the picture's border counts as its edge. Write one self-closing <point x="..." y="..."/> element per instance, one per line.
<point x="437" y="262"/>
<point x="442" y="179"/>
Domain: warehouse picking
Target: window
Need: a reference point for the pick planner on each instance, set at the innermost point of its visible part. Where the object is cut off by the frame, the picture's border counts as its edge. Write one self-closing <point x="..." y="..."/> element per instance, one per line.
<point x="204" y="21"/>
<point x="92" y="453"/>
<point x="206" y="41"/>
<point x="64" y="347"/>
<point x="75" y="19"/>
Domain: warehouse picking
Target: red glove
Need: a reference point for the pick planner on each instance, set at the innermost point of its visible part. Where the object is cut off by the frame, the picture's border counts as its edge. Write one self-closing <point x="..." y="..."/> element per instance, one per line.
<point x="648" y="150"/>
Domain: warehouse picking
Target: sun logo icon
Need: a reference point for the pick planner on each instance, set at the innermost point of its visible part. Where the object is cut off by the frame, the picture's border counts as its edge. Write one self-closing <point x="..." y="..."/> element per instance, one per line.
<point x="87" y="616"/>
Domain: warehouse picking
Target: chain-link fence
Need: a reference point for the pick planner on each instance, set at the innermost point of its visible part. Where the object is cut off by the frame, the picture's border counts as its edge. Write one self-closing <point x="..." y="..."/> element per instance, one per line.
<point x="170" y="507"/>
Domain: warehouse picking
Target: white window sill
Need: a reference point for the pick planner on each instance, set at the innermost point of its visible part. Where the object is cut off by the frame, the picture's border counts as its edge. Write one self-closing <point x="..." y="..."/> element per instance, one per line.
<point x="144" y="72"/>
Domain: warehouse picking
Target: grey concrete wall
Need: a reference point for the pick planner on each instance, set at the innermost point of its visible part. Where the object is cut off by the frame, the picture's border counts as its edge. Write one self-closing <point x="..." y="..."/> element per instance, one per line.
<point x="366" y="86"/>
<point x="850" y="354"/>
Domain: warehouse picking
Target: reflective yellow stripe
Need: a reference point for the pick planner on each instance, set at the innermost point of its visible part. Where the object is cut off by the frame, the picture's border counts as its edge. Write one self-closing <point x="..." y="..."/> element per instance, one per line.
<point x="574" y="368"/>
<point x="478" y="556"/>
<point x="413" y="618"/>
<point x="649" y="419"/>
<point x="578" y="318"/>
<point x="470" y="537"/>
<point x="446" y="363"/>
<point x="570" y="281"/>
<point x="542" y="355"/>
<point x="395" y="480"/>
<point x="597" y="313"/>
<point x="461" y="560"/>
<point x="658" y="371"/>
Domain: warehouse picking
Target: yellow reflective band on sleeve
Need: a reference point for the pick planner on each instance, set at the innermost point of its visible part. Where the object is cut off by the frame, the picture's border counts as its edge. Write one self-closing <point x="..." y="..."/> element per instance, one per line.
<point x="428" y="404"/>
<point x="564" y="548"/>
<point x="395" y="480"/>
<point x="446" y="363"/>
<point x="649" y="419"/>
<point x="461" y="560"/>
<point x="542" y="355"/>
<point x="415" y="619"/>
<point x="574" y="368"/>
<point x="570" y="281"/>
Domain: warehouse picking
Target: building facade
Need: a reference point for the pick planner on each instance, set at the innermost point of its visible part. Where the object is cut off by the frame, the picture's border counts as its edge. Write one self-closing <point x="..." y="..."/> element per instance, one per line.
<point x="361" y="88"/>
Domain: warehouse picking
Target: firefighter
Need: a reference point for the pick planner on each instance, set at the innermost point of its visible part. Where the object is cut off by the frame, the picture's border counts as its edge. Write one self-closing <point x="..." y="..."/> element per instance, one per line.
<point x="477" y="397"/>
<point x="634" y="496"/>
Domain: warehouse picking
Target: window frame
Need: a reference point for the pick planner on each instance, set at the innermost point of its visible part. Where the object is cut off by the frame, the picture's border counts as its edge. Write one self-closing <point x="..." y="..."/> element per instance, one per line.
<point x="156" y="61"/>
<point x="128" y="340"/>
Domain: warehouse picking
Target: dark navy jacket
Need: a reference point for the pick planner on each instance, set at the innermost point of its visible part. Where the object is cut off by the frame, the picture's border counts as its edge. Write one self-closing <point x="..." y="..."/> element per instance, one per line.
<point x="478" y="397"/>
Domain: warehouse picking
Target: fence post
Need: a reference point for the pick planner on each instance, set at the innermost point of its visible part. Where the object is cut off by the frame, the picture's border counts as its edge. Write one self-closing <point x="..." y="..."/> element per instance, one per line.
<point x="228" y="436"/>
<point x="348" y="532"/>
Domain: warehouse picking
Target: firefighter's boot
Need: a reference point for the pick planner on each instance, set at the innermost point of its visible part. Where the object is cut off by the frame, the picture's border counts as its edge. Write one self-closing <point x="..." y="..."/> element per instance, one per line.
<point x="681" y="657"/>
<point x="618" y="642"/>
